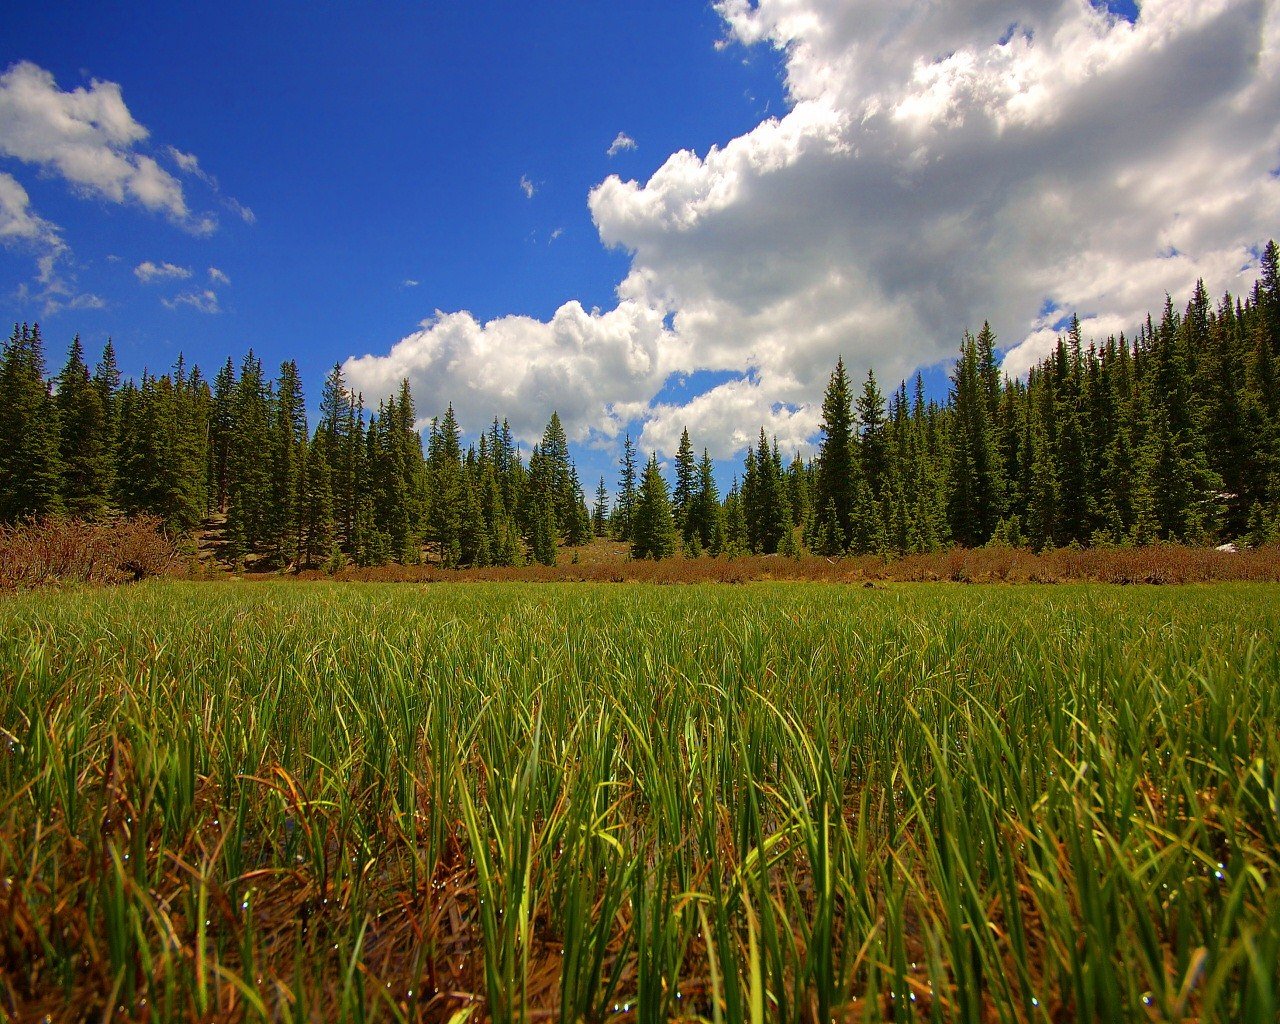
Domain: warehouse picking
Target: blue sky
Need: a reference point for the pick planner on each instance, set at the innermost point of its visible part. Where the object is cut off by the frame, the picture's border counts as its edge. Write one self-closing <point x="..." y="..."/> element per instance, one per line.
<point x="374" y="147"/>
<point x="807" y="179"/>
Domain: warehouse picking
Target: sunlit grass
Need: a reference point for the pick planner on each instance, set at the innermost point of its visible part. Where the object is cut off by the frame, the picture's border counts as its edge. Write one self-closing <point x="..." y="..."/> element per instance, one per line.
<point x="776" y="801"/>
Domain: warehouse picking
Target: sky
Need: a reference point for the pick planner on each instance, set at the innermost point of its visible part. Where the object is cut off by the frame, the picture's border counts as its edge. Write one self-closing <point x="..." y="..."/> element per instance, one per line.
<point x="644" y="216"/>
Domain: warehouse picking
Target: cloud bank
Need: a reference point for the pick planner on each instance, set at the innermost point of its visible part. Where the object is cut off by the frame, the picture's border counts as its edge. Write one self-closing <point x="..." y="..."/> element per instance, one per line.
<point x="938" y="165"/>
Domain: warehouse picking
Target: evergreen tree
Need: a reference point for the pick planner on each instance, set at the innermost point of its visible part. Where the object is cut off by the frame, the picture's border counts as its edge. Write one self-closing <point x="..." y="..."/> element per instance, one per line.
<point x="686" y="484"/>
<point x="30" y="468"/>
<point x="833" y="486"/>
<point x="705" y="520"/>
<point x="85" y="449"/>
<point x="288" y="442"/>
<point x="319" y="529"/>
<point x="625" y="508"/>
<point x="976" y="500"/>
<point x="600" y="512"/>
<point x="873" y="447"/>
<point x="654" y="534"/>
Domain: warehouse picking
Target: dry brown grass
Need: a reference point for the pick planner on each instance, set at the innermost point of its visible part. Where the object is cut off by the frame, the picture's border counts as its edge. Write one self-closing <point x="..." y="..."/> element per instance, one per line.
<point x="607" y="562"/>
<point x="45" y="552"/>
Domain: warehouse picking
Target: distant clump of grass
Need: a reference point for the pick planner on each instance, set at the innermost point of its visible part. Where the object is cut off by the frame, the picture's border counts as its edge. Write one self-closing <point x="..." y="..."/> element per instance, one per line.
<point x="770" y="802"/>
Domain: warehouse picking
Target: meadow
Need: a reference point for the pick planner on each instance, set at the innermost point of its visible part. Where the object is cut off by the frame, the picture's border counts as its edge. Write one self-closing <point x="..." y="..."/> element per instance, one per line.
<point x="592" y="802"/>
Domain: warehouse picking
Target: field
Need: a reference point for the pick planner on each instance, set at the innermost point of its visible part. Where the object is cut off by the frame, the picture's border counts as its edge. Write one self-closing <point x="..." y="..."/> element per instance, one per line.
<point x="813" y="802"/>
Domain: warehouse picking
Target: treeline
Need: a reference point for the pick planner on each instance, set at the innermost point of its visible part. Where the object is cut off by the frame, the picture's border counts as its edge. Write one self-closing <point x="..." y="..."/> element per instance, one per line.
<point x="359" y="487"/>
<point x="1173" y="435"/>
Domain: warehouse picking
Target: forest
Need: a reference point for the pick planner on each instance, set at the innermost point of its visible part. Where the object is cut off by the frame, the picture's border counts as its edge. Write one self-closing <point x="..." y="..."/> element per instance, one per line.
<point x="1172" y="434"/>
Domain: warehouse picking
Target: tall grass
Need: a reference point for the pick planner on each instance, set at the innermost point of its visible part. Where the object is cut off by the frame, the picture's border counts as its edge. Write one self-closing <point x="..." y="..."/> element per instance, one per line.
<point x="771" y="802"/>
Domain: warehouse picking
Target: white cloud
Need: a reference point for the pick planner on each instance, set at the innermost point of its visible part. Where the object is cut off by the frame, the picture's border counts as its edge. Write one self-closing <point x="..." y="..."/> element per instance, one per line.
<point x="18" y="220"/>
<point x="89" y="137"/>
<point x="409" y="282"/>
<point x="622" y="141"/>
<point x="555" y="233"/>
<point x="21" y="226"/>
<point x="597" y="369"/>
<point x="240" y="210"/>
<point x="527" y="186"/>
<point x="218" y="277"/>
<point x="189" y="163"/>
<point x="939" y="164"/>
<point x="148" y="272"/>
<point x="205" y="301"/>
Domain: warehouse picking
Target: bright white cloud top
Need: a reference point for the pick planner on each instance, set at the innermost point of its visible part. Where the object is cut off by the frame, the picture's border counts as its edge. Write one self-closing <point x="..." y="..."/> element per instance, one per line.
<point x="621" y="142"/>
<point x="148" y="272"/>
<point x="938" y="165"/>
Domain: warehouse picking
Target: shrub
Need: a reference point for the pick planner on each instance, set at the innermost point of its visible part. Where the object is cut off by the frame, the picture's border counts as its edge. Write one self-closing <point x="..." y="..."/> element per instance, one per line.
<point x="45" y="552"/>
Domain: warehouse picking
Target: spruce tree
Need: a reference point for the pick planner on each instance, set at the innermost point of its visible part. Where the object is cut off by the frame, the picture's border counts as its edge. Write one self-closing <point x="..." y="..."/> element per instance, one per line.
<point x="85" y="445"/>
<point x="873" y="447"/>
<point x="30" y="468"/>
<point x="289" y="436"/>
<point x="834" y="479"/>
<point x="686" y="484"/>
<point x="625" y="508"/>
<point x="600" y="511"/>
<point x="654" y="534"/>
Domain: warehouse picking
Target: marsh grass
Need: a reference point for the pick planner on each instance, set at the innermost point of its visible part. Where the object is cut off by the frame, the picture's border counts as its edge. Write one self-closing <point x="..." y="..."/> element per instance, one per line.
<point x="528" y="802"/>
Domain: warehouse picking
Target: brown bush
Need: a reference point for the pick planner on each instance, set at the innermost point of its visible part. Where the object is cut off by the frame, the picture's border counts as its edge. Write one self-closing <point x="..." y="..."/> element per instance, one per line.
<point x="1158" y="563"/>
<point x="49" y="551"/>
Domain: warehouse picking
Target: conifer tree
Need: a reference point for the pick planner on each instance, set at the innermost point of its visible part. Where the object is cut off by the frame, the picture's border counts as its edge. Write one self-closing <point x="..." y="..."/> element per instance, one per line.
<point x="85" y="445"/>
<point x="600" y="511"/>
<point x="30" y="468"/>
<point x="319" y="530"/>
<point x="625" y="508"/>
<point x="834" y="479"/>
<point x="220" y="436"/>
<point x="873" y="446"/>
<point x="686" y="484"/>
<point x="289" y="436"/>
<point x="705" y="521"/>
<point x="654" y="534"/>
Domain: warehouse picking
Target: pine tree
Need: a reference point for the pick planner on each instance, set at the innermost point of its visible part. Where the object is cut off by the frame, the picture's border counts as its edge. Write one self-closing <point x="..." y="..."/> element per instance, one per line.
<point x="600" y="512"/>
<point x="976" y="499"/>
<point x="319" y="529"/>
<point x="220" y="435"/>
<point x="85" y="445"/>
<point x="873" y="447"/>
<point x="833" y="486"/>
<point x="764" y="500"/>
<point x="625" y="508"/>
<point x="30" y="468"/>
<point x="288" y="440"/>
<point x="705" y="519"/>
<point x="249" y="489"/>
<point x="686" y="484"/>
<point x="106" y="381"/>
<point x="654" y="534"/>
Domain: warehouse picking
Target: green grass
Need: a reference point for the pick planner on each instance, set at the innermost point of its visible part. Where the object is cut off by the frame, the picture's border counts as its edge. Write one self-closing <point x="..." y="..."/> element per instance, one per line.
<point x="771" y="802"/>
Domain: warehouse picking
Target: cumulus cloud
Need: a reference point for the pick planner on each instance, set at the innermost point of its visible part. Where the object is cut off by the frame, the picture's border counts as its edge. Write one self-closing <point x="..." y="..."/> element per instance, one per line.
<point x="18" y="220"/>
<point x="205" y="301"/>
<point x="527" y="186"/>
<point x="621" y="142"/>
<point x="148" y="272"/>
<point x="938" y="165"/>
<point x="599" y="370"/>
<point x="89" y="137"/>
<point x="218" y="277"/>
<point x="410" y="282"/>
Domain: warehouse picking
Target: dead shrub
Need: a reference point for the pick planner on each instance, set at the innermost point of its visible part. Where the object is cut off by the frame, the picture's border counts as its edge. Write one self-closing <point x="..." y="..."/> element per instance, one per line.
<point x="56" y="550"/>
